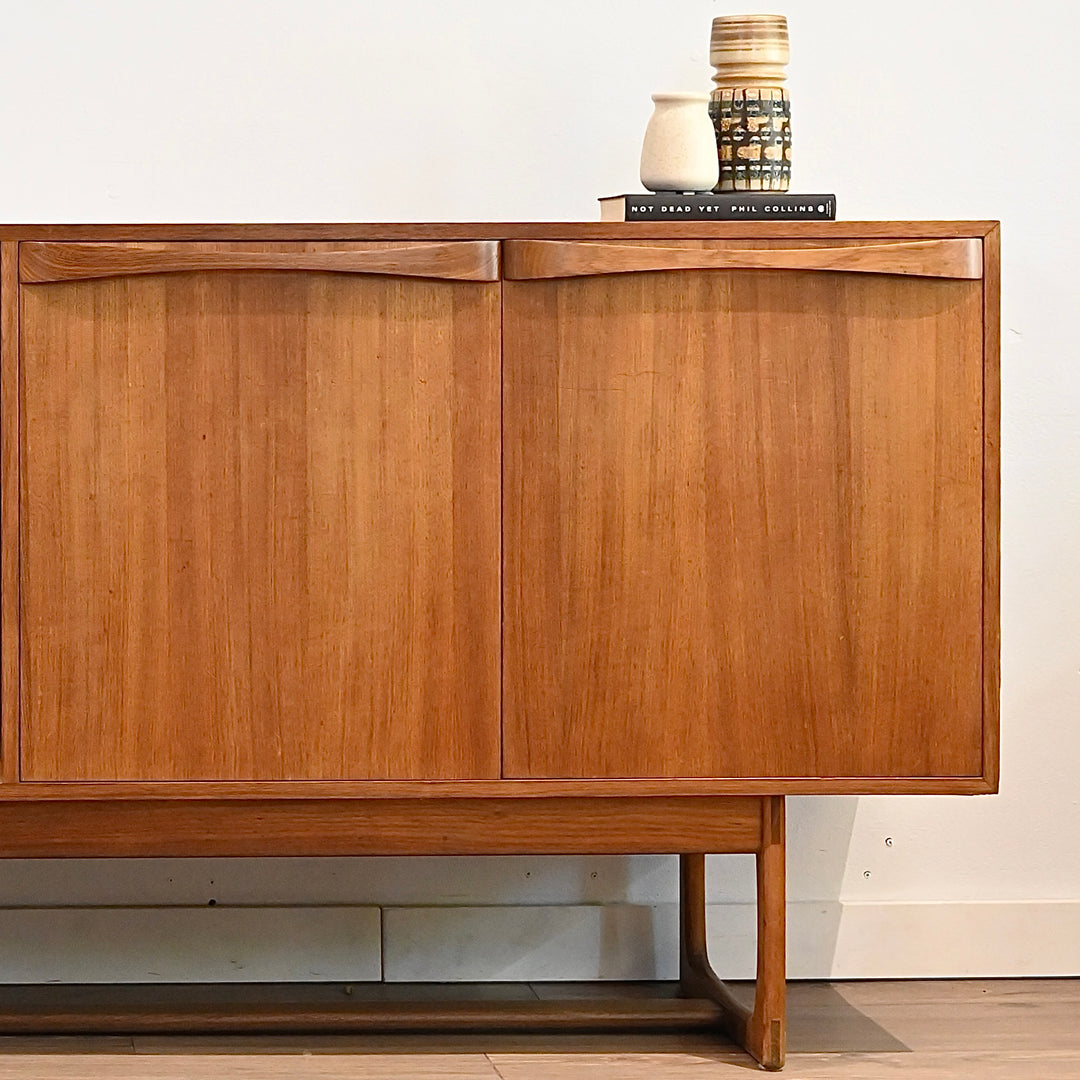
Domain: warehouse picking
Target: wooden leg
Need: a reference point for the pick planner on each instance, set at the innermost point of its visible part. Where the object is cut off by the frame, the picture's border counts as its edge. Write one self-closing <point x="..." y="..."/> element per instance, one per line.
<point x="761" y="1031"/>
<point x="767" y="1035"/>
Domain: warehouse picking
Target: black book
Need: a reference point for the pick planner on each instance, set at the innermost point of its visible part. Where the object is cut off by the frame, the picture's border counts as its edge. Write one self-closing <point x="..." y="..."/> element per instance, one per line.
<point x="718" y="206"/>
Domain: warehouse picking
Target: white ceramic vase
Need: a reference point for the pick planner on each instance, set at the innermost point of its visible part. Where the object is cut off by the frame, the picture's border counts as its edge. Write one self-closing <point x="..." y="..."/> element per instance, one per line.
<point x="679" y="151"/>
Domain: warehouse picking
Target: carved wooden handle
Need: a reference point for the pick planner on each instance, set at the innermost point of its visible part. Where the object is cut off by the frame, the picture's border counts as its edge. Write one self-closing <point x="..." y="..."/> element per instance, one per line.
<point x="465" y="260"/>
<point x="953" y="258"/>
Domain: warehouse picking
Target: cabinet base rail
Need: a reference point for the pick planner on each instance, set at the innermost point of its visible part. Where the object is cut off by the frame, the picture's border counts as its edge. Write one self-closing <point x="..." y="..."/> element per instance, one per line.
<point x="595" y="1014"/>
<point x="704" y="1002"/>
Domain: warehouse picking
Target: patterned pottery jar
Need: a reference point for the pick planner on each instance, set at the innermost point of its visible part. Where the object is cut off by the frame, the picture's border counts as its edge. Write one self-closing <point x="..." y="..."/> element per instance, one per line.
<point x="750" y="108"/>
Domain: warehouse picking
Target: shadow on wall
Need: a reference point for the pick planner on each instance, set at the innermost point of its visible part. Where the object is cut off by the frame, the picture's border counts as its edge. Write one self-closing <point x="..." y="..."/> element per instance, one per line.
<point x="819" y="831"/>
<point x="819" y="839"/>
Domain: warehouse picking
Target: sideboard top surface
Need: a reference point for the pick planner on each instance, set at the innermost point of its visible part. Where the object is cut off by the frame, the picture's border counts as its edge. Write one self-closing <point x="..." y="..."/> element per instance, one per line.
<point x="573" y="230"/>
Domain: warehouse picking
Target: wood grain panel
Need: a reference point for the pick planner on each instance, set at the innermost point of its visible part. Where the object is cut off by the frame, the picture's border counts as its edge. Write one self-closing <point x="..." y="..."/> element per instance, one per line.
<point x="992" y="506"/>
<point x="178" y="790"/>
<point x="495" y="826"/>
<point x="743" y="526"/>
<point x="457" y="261"/>
<point x="9" y="511"/>
<point x="260" y="528"/>
<point x="537" y="259"/>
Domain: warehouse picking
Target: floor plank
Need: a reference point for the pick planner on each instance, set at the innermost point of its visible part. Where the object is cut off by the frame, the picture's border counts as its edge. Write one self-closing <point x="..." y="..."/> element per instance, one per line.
<point x="931" y="991"/>
<point x="926" y="1030"/>
<point x="967" y="1065"/>
<point x="622" y="1066"/>
<point x="253" y="1067"/>
<point x="994" y="1025"/>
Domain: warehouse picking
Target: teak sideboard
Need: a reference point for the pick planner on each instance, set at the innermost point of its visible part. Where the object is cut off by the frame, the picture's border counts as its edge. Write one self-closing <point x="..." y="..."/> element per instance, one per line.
<point x="419" y="539"/>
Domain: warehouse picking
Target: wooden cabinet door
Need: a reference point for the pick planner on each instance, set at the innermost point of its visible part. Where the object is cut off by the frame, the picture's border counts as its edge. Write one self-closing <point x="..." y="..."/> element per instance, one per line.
<point x="743" y="509"/>
<point x="259" y="511"/>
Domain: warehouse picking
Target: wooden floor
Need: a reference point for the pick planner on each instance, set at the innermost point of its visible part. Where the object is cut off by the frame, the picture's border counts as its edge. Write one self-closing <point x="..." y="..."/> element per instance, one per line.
<point x="986" y="1029"/>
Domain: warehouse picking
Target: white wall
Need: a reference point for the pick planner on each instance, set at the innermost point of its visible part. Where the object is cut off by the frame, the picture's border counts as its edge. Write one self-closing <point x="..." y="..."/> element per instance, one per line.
<point x="324" y="110"/>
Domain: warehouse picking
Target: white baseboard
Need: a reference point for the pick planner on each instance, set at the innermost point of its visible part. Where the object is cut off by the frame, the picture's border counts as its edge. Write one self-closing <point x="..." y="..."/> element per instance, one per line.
<point x="528" y="943"/>
<point x="189" y="944"/>
<point x="825" y="941"/>
<point x="969" y="939"/>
